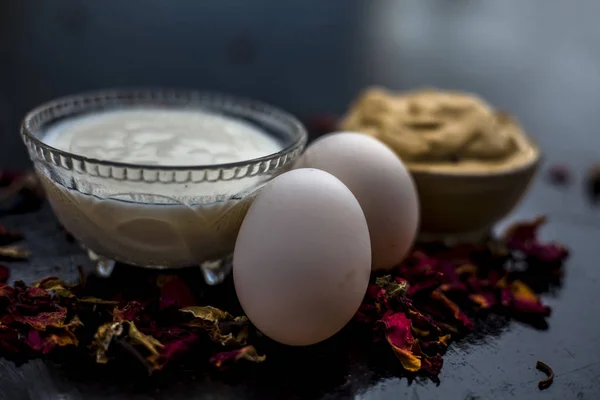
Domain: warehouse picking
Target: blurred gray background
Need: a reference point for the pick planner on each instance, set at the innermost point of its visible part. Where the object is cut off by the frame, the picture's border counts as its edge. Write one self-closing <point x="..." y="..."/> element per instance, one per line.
<point x="538" y="59"/>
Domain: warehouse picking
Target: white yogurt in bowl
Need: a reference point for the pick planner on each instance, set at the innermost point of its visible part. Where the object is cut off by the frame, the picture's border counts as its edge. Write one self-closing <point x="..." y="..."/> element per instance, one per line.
<point x="159" y="136"/>
<point x="158" y="185"/>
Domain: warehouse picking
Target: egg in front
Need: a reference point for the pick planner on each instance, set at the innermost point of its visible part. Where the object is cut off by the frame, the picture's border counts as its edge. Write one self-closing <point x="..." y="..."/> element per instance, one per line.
<point x="302" y="259"/>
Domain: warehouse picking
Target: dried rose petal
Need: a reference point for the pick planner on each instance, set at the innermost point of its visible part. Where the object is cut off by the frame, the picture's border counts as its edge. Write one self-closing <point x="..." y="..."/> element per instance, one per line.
<point x="529" y="308"/>
<point x="435" y="346"/>
<point x="484" y="300"/>
<point x="522" y="236"/>
<point x="379" y="295"/>
<point x="9" y="340"/>
<point x="138" y="338"/>
<point x="129" y="312"/>
<point x="132" y="337"/>
<point x="249" y="353"/>
<point x="6" y="291"/>
<point x="456" y="287"/>
<point x="212" y="320"/>
<point x="55" y="286"/>
<point x="38" y="320"/>
<point x="447" y="308"/>
<point x="185" y="341"/>
<point x="425" y="287"/>
<point x="97" y="301"/>
<point x="44" y="320"/>
<point x="45" y="343"/>
<point x="519" y="298"/>
<point x="103" y="338"/>
<point x="430" y="365"/>
<point x="397" y="330"/>
<point x="419" y="267"/>
<point x="392" y="287"/>
<point x="381" y="302"/>
<point x="423" y="323"/>
<point x="174" y="292"/>
<point x="461" y="271"/>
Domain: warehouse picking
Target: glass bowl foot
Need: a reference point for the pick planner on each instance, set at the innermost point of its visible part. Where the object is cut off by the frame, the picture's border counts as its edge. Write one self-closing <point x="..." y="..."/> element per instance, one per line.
<point x="103" y="266"/>
<point x="215" y="272"/>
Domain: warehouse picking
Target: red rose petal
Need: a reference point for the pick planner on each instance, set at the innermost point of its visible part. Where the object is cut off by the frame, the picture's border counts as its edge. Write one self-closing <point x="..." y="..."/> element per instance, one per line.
<point x="523" y="236"/>
<point x="225" y="358"/>
<point x="174" y="292"/>
<point x="519" y="298"/>
<point x="397" y="330"/>
<point x="128" y="312"/>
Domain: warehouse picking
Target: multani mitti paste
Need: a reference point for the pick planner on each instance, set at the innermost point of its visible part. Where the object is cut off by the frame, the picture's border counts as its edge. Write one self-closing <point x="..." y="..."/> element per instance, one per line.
<point x="435" y="130"/>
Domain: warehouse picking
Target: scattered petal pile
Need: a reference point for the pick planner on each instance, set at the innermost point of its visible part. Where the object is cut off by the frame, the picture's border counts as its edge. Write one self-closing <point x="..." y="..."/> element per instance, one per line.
<point x="417" y="309"/>
<point x="424" y="302"/>
<point x="155" y="318"/>
<point x="36" y="319"/>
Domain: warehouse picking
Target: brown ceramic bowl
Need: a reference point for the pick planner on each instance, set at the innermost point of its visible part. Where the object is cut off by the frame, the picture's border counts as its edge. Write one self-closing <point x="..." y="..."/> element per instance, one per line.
<point x="468" y="204"/>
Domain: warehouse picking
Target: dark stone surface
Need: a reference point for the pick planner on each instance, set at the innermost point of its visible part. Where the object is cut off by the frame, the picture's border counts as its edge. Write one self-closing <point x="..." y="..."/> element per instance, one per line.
<point x="538" y="60"/>
<point x="496" y="362"/>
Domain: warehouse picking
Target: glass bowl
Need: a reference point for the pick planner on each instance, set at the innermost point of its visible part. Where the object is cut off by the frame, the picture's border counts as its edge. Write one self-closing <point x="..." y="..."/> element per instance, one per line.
<point x="157" y="216"/>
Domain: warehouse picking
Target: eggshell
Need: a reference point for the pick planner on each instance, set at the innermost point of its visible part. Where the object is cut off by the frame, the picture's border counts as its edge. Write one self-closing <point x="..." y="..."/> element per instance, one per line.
<point x="380" y="182"/>
<point x="302" y="258"/>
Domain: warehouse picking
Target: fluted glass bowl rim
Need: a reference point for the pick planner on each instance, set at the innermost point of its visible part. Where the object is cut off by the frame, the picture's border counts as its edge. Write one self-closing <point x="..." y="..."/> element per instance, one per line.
<point x="77" y="104"/>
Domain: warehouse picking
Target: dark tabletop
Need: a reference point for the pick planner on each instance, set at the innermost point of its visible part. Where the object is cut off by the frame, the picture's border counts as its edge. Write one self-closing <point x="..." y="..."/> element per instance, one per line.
<point x="538" y="61"/>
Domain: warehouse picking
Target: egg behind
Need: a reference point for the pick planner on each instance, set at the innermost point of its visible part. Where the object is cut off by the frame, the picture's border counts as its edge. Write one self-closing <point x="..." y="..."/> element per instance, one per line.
<point x="302" y="258"/>
<point x="381" y="184"/>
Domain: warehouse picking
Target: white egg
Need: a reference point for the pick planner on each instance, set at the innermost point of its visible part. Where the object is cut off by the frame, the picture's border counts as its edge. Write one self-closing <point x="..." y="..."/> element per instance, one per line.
<point x="302" y="258"/>
<point x="381" y="184"/>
